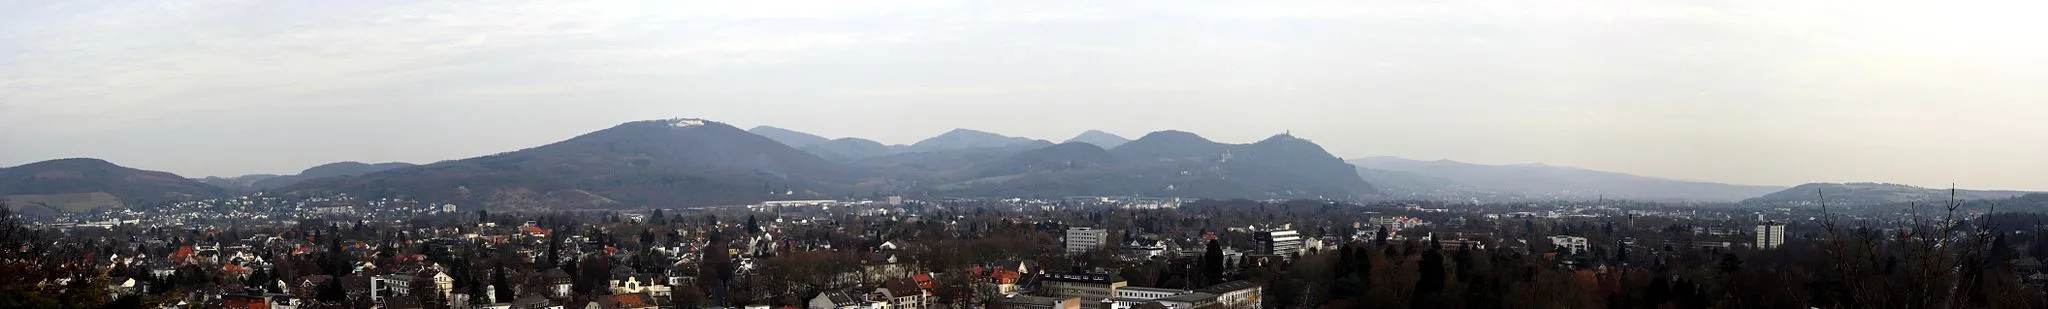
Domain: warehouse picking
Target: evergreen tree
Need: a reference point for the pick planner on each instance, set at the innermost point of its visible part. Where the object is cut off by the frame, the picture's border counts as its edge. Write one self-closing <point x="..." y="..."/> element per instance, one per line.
<point x="1212" y="265"/>
<point x="753" y="227"/>
<point x="1431" y="283"/>
<point x="1381" y="239"/>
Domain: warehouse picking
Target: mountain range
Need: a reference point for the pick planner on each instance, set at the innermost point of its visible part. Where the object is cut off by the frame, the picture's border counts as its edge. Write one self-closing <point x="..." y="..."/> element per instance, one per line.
<point x="1404" y="178"/>
<point x="686" y="162"/>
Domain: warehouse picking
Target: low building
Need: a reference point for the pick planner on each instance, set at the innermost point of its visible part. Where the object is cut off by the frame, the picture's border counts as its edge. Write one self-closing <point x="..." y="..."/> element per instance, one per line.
<point x="1237" y="294"/>
<point x="1569" y="244"/>
<point x="1087" y="287"/>
<point x="904" y="293"/>
<point x="1036" y="302"/>
<point x="835" y="300"/>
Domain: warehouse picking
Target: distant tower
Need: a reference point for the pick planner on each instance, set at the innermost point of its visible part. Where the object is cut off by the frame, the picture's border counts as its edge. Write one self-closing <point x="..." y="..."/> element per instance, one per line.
<point x="1770" y="235"/>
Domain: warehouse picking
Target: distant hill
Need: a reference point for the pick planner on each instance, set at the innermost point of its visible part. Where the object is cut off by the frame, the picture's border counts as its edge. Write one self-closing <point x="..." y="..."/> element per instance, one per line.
<point x="1056" y="158"/>
<point x="676" y="162"/>
<point x="1167" y="164"/>
<point x="1100" y="139"/>
<point x="1170" y="146"/>
<point x="789" y="137"/>
<point x="244" y="183"/>
<point x="848" y="149"/>
<point x="835" y="150"/>
<point x="79" y="185"/>
<point x="1864" y="194"/>
<point x="337" y="169"/>
<point x="1458" y="180"/>
<point x="967" y="139"/>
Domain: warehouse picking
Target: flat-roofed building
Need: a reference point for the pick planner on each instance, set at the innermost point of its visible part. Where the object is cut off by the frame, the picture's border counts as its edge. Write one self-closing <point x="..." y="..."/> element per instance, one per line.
<point x="1086" y="239"/>
<point x="1279" y="242"/>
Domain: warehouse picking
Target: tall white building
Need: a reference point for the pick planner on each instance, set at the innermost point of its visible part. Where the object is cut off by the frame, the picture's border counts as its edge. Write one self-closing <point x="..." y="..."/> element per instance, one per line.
<point x="1280" y="242"/>
<point x="1085" y="239"/>
<point x="1770" y="235"/>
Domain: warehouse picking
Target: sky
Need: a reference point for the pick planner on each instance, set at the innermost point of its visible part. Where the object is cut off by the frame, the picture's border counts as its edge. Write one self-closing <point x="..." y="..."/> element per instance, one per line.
<point x="1747" y="92"/>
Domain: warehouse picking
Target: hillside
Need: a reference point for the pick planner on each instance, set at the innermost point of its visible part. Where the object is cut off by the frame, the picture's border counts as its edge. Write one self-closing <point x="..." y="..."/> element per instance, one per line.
<point x="848" y="149"/>
<point x="244" y="183"/>
<point x="78" y="185"/>
<point x="1866" y="194"/>
<point x="1462" y="181"/>
<point x="337" y="169"/>
<point x="789" y="137"/>
<point x="676" y="162"/>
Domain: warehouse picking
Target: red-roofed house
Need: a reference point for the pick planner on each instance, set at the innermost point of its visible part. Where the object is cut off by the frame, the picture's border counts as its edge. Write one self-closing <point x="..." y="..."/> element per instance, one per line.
<point x="925" y="281"/>
<point x="631" y="301"/>
<point x="247" y="303"/>
<point x="184" y="255"/>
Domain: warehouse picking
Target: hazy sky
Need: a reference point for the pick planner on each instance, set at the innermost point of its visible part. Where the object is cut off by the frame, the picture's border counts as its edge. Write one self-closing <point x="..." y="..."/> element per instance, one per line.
<point x="1754" y="92"/>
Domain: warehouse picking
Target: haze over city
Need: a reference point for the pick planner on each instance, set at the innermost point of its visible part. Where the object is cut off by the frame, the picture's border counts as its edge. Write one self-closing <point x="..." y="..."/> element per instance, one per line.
<point x="1746" y="92"/>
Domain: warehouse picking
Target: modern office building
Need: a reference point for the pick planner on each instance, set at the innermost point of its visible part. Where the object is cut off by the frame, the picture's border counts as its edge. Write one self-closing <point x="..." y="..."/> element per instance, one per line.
<point x="1278" y="242"/>
<point x="1086" y="239"/>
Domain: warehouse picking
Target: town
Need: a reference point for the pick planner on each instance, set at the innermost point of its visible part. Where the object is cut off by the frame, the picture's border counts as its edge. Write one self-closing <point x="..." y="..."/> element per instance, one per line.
<point x="1080" y="252"/>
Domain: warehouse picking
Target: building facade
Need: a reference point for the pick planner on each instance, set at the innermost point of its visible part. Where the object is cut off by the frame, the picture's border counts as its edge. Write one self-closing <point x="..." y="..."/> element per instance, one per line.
<point x="1569" y="244"/>
<point x="1770" y="235"/>
<point x="1279" y="242"/>
<point x="1085" y="239"/>
<point x="1088" y="287"/>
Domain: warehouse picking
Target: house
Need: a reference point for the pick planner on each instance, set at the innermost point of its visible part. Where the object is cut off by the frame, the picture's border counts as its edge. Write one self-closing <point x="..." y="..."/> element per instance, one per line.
<point x="903" y="293"/>
<point x="629" y="301"/>
<point x="835" y="300"/>
<point x="535" y="302"/>
<point x="444" y="283"/>
<point x="245" y="303"/>
<point x="308" y="284"/>
<point x="637" y="283"/>
<point x="124" y="286"/>
<point x="1003" y="278"/>
<point x="558" y="282"/>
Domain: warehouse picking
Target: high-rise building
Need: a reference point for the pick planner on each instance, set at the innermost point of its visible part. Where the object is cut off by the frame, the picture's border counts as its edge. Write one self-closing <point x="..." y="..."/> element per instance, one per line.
<point x="1279" y="242"/>
<point x="1085" y="239"/>
<point x="1770" y="235"/>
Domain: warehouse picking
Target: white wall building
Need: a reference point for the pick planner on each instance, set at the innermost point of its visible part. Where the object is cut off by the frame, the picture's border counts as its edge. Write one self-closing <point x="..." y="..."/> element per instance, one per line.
<point x="1569" y="244"/>
<point x="1770" y="235"/>
<point x="1085" y="239"/>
